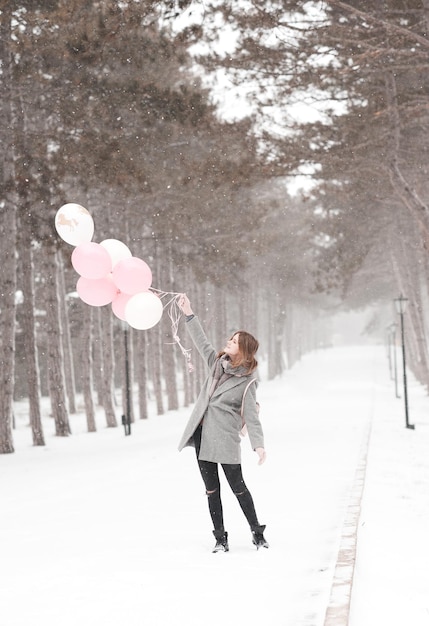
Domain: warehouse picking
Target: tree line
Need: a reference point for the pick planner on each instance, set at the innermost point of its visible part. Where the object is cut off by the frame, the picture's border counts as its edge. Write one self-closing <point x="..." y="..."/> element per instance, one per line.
<point x="103" y="104"/>
<point x="360" y="70"/>
<point x="101" y="108"/>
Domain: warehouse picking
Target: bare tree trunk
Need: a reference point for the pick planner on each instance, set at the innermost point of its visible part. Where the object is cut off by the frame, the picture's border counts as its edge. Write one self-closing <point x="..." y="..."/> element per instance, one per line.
<point x="7" y="242"/>
<point x="169" y="363"/>
<point x="408" y="275"/>
<point x="405" y="191"/>
<point x="86" y="365"/>
<point x="221" y="330"/>
<point x="53" y="344"/>
<point x="420" y="213"/>
<point x="97" y="356"/>
<point x="141" y="374"/>
<point x="29" y="329"/>
<point x="271" y="345"/>
<point x="250" y="310"/>
<point x="275" y="333"/>
<point x="106" y="353"/>
<point x="188" y="395"/>
<point x="127" y="374"/>
<point x="66" y="337"/>
<point x="169" y="353"/>
<point x="155" y="353"/>
<point x="425" y="4"/>
<point x="200" y="368"/>
<point x="7" y="325"/>
<point x="189" y="373"/>
<point x="420" y="361"/>
<point x="412" y="278"/>
<point x="290" y="339"/>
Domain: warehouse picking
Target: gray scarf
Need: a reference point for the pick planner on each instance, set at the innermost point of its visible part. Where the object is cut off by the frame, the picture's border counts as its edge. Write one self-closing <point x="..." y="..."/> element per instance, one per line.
<point x="223" y="370"/>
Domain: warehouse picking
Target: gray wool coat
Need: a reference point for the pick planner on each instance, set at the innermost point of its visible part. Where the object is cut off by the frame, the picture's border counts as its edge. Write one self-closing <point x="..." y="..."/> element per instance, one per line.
<point x="220" y="438"/>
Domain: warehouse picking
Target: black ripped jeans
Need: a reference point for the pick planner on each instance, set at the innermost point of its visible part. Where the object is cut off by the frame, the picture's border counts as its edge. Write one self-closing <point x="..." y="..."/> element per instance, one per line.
<point x="234" y="476"/>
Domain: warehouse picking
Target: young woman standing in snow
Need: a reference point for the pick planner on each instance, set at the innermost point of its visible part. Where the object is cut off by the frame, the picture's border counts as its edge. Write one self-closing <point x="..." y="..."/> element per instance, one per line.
<point x="215" y="423"/>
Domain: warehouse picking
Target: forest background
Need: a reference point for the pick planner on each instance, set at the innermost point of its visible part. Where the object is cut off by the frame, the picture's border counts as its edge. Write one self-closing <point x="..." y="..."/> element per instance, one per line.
<point x="268" y="158"/>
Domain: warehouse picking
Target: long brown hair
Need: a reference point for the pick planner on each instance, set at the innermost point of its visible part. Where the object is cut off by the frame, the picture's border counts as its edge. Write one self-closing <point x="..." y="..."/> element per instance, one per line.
<point x="247" y="346"/>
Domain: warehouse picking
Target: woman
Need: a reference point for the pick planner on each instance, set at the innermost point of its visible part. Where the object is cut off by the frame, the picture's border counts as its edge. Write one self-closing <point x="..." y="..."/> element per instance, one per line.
<point x="215" y="423"/>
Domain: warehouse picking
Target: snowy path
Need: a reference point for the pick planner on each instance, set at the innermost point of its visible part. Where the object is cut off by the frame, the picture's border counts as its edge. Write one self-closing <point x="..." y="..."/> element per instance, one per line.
<point x="102" y="529"/>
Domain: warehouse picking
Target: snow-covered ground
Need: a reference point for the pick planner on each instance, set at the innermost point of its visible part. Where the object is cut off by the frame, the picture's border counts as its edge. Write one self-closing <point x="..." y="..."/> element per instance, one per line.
<point x="102" y="529"/>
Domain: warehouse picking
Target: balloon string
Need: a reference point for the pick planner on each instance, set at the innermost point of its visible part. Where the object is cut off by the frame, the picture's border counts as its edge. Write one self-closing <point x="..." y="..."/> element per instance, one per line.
<point x="175" y="313"/>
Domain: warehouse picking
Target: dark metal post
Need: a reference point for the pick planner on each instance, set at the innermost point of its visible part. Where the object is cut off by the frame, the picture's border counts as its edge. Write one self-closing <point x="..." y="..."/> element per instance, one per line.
<point x="126" y="419"/>
<point x="401" y="301"/>
<point x="395" y="365"/>
<point x="389" y="349"/>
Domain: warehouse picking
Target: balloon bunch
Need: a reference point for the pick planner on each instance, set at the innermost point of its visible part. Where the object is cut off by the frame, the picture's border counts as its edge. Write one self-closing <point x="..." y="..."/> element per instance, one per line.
<point x="109" y="273"/>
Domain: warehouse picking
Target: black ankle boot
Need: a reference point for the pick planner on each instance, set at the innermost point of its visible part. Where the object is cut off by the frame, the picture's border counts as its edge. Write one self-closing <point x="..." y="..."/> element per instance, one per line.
<point x="258" y="538"/>
<point x="221" y="541"/>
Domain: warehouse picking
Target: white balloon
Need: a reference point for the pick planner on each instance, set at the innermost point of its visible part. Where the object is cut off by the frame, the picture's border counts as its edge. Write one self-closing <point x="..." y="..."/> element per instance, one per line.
<point x="74" y="224"/>
<point x="117" y="250"/>
<point x="143" y="310"/>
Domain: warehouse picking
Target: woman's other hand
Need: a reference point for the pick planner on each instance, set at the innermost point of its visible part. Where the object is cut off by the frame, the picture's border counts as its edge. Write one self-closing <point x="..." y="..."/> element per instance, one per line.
<point x="184" y="304"/>
<point x="261" y="454"/>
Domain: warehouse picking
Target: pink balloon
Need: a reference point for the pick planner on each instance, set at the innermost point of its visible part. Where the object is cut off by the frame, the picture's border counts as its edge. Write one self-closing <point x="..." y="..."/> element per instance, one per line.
<point x="119" y="304"/>
<point x="132" y="276"/>
<point x="91" y="260"/>
<point x="98" y="291"/>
